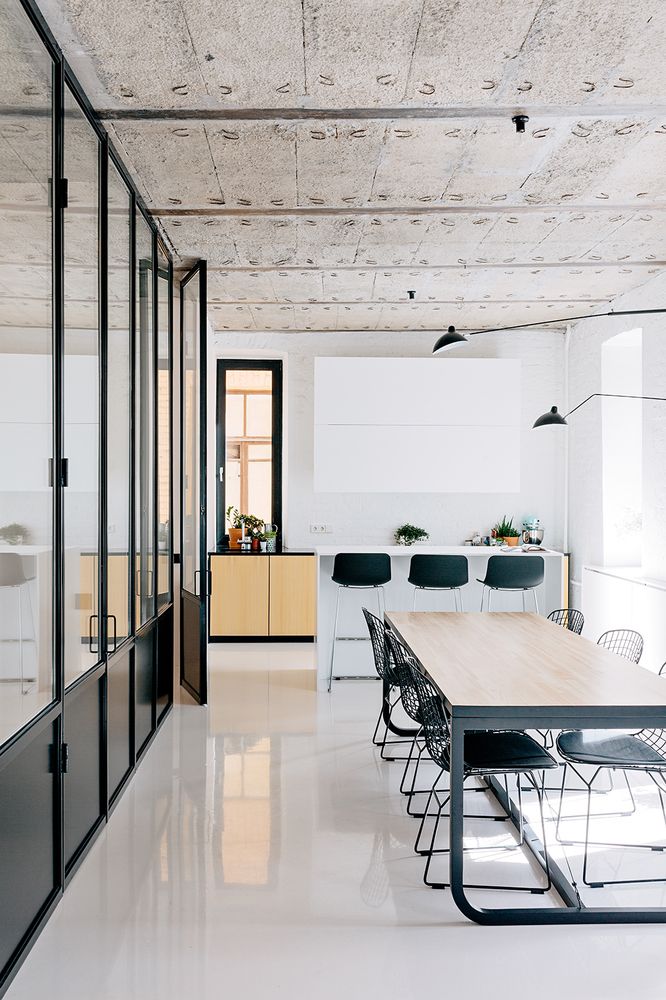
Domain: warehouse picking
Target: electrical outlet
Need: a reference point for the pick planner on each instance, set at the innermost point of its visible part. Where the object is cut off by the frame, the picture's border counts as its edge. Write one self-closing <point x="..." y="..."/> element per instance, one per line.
<point x="321" y="529"/>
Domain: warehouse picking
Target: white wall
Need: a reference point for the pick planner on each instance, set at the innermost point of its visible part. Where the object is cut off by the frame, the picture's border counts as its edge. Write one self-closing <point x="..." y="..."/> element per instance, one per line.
<point x="372" y="518"/>
<point x="585" y="433"/>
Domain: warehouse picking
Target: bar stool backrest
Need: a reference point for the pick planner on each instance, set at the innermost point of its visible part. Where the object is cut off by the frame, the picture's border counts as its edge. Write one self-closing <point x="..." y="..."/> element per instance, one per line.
<point x="438" y="572"/>
<point x="514" y="572"/>
<point x="12" y="570"/>
<point x="380" y="651"/>
<point x="400" y="659"/>
<point x="361" y="569"/>
<point x="623" y="642"/>
<point x="568" y="618"/>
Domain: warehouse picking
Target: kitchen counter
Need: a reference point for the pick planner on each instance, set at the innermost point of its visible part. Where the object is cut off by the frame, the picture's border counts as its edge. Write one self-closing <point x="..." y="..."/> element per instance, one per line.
<point x="280" y="552"/>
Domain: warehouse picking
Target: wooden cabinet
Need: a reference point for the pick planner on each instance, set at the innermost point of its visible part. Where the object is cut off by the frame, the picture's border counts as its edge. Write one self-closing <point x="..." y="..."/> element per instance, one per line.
<point x="239" y="596"/>
<point x="293" y="595"/>
<point x="263" y="595"/>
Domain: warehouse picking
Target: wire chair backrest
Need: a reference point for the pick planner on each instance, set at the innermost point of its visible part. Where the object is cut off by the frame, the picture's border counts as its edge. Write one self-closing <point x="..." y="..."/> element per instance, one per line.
<point x="568" y="618"/>
<point x="435" y="727"/>
<point x="623" y="642"/>
<point x="399" y="656"/>
<point x="377" y="631"/>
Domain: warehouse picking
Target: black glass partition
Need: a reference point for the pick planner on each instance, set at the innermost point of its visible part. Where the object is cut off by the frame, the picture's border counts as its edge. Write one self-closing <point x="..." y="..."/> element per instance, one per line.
<point x="85" y="395"/>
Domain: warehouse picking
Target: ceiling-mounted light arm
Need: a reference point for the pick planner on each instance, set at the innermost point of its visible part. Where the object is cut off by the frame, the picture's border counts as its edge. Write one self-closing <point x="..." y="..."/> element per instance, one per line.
<point x="554" y="417"/>
<point x="460" y="339"/>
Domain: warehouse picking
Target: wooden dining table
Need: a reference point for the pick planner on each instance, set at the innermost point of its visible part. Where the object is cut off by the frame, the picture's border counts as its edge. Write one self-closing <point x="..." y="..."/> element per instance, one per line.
<point x="513" y="670"/>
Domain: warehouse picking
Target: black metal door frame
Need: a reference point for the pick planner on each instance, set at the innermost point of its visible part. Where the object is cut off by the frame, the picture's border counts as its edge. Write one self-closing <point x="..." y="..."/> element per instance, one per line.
<point x="198" y="603"/>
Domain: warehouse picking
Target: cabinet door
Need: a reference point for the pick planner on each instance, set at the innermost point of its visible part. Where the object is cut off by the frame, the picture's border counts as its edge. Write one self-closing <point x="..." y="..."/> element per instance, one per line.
<point x="293" y="595"/>
<point x="239" y="595"/>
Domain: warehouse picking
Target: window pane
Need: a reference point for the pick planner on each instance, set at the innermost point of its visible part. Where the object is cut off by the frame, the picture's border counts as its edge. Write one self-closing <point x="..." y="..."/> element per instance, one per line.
<point x="234" y="414"/>
<point x="81" y="394"/>
<point x="259" y="415"/>
<point x="164" y="543"/>
<point x="119" y="424"/>
<point x="26" y="363"/>
<point x="144" y="422"/>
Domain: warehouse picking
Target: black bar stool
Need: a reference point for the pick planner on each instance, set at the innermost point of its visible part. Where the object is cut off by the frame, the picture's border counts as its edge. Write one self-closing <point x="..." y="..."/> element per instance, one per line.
<point x="358" y="571"/>
<point x="439" y="573"/>
<point x="519" y="573"/>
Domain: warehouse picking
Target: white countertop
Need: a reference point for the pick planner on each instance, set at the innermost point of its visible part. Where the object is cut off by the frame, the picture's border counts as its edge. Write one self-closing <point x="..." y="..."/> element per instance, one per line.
<point x="631" y="574"/>
<point x="439" y="550"/>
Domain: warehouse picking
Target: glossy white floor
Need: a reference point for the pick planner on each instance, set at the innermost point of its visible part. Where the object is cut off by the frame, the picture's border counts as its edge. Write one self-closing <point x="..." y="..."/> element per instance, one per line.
<point x="263" y="851"/>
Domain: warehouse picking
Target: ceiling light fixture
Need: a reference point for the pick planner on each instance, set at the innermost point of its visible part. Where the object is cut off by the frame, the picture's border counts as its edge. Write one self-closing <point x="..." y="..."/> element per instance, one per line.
<point x="452" y="338"/>
<point x="520" y="121"/>
<point x="411" y="293"/>
<point x="554" y="417"/>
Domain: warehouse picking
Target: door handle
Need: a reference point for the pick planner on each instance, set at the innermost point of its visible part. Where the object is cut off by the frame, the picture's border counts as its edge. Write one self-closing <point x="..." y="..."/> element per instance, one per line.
<point x="90" y="633"/>
<point x="115" y="632"/>
<point x="197" y="590"/>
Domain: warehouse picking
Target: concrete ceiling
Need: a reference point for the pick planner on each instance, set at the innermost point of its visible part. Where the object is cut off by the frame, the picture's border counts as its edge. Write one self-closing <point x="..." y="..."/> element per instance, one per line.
<point x="325" y="156"/>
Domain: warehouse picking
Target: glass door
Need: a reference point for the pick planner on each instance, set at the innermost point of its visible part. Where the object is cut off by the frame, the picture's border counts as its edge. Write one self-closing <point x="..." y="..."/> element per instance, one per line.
<point x="194" y="575"/>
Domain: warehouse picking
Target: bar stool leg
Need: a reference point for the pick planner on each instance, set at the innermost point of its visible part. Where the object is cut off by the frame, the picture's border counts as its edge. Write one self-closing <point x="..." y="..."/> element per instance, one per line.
<point x="381" y="602"/>
<point x="414" y="599"/>
<point x="335" y="632"/>
<point x="483" y="594"/>
<point x="536" y="603"/>
<point x="524" y="608"/>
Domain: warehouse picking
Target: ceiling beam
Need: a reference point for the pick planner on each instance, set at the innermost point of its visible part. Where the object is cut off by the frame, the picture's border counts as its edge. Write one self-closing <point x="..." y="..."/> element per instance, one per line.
<point x="513" y="265"/>
<point x="414" y="303"/>
<point x="496" y="208"/>
<point x="651" y="110"/>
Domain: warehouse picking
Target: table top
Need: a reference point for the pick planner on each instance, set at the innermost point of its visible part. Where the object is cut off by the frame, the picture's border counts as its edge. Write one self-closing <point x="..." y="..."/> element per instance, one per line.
<point x="515" y="659"/>
<point x="444" y="550"/>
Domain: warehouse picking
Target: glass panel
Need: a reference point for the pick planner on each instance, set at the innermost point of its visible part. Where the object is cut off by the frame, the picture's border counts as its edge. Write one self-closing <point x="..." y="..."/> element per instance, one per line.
<point x="119" y="367"/>
<point x="81" y="394"/>
<point x="164" y="535"/>
<point x="145" y="424"/>
<point x="26" y="363"/>
<point x="191" y="336"/>
<point x="259" y="417"/>
<point x="248" y="447"/>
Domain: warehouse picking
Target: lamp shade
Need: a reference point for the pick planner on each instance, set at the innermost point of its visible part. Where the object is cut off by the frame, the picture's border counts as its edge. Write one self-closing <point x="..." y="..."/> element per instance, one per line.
<point x="552" y="417"/>
<point x="448" y="340"/>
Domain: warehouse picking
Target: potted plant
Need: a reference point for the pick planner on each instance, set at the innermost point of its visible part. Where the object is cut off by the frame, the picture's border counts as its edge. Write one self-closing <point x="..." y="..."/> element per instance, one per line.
<point x="505" y="531"/>
<point x="14" y="534"/>
<point x="253" y="525"/>
<point x="407" y="534"/>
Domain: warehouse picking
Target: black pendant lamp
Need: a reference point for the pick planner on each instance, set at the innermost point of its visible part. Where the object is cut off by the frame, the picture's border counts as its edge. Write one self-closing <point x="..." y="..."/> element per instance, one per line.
<point x="552" y="417"/>
<point x="448" y="340"/>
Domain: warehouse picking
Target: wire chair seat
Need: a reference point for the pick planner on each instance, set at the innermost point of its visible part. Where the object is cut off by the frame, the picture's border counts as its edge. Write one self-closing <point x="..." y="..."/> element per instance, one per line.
<point x="645" y="750"/>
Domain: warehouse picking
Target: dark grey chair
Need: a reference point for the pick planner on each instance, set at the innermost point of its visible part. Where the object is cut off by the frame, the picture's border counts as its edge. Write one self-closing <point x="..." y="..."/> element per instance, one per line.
<point x="569" y="619"/>
<point x="486" y="753"/>
<point x="358" y="571"/>
<point x="13" y="576"/>
<point x="430" y="572"/>
<point x="623" y="642"/>
<point x="513" y="573"/>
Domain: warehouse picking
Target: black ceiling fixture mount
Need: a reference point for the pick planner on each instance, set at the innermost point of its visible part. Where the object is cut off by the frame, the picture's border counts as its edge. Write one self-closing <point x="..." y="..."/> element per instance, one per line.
<point x="520" y="121"/>
<point x="411" y="293"/>
<point x="452" y="338"/>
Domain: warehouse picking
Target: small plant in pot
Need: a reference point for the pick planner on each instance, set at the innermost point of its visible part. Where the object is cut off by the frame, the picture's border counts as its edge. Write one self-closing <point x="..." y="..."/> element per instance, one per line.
<point x="407" y="534"/>
<point x="236" y="520"/>
<point x="13" y="534"/>
<point x="505" y="531"/>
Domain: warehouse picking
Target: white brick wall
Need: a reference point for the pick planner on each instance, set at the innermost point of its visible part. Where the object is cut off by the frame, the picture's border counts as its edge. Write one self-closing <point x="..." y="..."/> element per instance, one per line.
<point x="372" y="518"/>
<point x="585" y="451"/>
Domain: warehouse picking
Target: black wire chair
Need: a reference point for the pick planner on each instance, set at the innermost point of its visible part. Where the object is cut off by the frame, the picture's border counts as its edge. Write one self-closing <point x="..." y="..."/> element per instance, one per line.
<point x="568" y="618"/>
<point x="387" y="673"/>
<point x="643" y="751"/>
<point x="623" y="642"/>
<point x="486" y="753"/>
